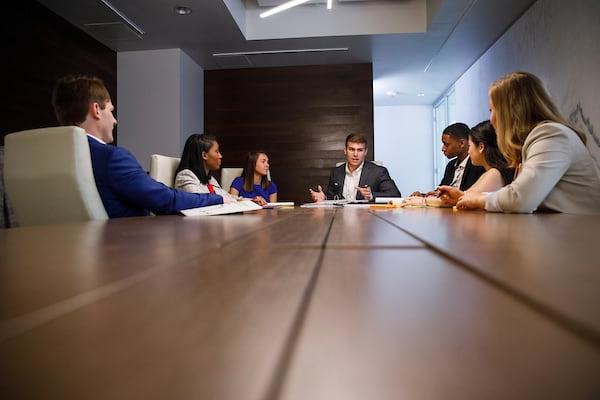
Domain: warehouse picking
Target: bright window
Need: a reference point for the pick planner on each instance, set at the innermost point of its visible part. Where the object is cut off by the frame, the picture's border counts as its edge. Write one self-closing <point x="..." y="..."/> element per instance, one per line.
<point x="444" y="114"/>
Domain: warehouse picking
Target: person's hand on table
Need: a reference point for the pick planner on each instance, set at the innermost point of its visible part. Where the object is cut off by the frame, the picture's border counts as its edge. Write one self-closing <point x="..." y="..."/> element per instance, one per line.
<point x="435" y="193"/>
<point x="228" y="199"/>
<point x="318" y="195"/>
<point x="449" y="194"/>
<point x="366" y="192"/>
<point x="259" y="200"/>
<point x="471" y="201"/>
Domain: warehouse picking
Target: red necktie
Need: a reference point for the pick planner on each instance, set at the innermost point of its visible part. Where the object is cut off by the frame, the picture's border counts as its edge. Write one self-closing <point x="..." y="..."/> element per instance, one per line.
<point x="211" y="189"/>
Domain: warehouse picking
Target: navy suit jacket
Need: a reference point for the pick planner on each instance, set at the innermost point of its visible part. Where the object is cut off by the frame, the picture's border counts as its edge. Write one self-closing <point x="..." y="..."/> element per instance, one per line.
<point x="469" y="177"/>
<point x="126" y="189"/>
<point x="374" y="176"/>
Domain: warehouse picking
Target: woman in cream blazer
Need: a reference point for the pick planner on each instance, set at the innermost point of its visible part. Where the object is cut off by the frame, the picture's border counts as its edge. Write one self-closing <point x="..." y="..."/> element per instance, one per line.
<point x="555" y="170"/>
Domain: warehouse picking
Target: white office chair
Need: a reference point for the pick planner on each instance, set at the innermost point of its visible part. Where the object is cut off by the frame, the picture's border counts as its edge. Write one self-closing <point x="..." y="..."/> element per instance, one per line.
<point x="228" y="175"/>
<point x="48" y="176"/>
<point x="162" y="169"/>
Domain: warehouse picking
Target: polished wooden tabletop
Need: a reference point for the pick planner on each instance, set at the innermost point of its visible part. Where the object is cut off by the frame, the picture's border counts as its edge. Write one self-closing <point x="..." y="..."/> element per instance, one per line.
<point x="351" y="303"/>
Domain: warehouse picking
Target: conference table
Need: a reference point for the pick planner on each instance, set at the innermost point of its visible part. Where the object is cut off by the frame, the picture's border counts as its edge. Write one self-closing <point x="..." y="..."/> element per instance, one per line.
<point x="303" y="303"/>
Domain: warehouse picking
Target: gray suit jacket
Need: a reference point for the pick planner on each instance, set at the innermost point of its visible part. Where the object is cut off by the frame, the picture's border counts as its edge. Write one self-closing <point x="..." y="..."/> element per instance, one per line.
<point x="374" y="176"/>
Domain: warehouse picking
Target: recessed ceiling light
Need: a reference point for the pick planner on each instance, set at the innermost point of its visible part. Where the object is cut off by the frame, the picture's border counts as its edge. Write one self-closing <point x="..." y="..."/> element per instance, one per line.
<point x="421" y="94"/>
<point x="392" y="93"/>
<point x="182" y="10"/>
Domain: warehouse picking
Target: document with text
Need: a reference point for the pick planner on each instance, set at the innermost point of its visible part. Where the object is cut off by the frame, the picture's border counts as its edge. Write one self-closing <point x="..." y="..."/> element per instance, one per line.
<point x="220" y="209"/>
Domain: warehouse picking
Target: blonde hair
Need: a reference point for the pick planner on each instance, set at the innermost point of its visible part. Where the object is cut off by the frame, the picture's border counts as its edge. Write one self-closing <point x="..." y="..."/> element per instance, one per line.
<point x="520" y="104"/>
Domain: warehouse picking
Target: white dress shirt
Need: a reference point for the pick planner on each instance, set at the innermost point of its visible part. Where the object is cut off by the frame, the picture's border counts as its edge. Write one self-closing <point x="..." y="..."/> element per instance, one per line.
<point x="95" y="138"/>
<point x="459" y="172"/>
<point x="351" y="182"/>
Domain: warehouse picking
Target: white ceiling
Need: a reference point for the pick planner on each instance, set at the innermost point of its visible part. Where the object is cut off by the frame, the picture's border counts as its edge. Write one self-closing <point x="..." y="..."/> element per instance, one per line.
<point x="458" y="32"/>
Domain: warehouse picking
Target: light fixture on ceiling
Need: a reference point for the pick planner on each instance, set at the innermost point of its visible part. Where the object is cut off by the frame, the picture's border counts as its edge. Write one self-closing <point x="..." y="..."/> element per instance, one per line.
<point x="282" y="7"/>
<point x="288" y="5"/>
<point x="125" y="19"/>
<point x="392" y="93"/>
<point x="421" y="94"/>
<point x="255" y="53"/>
<point x="182" y="10"/>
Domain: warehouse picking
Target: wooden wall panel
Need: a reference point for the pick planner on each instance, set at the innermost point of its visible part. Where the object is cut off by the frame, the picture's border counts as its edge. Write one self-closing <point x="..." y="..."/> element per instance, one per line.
<point x="299" y="115"/>
<point x="38" y="48"/>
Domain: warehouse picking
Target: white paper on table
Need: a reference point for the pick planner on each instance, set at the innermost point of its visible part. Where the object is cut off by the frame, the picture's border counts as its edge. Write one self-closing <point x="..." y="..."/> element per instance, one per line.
<point x="220" y="209"/>
<point x="389" y="200"/>
<point x="325" y="204"/>
<point x="279" y="204"/>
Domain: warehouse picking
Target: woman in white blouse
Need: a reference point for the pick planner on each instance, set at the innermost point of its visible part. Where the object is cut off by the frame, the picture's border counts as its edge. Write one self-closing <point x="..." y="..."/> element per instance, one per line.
<point x="555" y="171"/>
<point x="200" y="158"/>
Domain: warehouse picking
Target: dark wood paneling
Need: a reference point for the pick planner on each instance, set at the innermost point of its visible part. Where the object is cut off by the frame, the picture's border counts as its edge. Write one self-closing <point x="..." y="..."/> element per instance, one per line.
<point x="299" y="115"/>
<point x="38" y="48"/>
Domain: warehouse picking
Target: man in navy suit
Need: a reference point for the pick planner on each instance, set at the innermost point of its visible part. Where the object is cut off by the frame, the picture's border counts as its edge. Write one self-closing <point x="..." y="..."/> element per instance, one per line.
<point x="125" y="188"/>
<point x="357" y="179"/>
<point x="459" y="171"/>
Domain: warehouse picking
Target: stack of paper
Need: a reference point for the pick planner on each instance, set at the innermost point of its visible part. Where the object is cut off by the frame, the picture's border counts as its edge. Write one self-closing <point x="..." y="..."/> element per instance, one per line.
<point x="389" y="200"/>
<point x="279" y="204"/>
<point x="326" y="204"/>
<point x="220" y="209"/>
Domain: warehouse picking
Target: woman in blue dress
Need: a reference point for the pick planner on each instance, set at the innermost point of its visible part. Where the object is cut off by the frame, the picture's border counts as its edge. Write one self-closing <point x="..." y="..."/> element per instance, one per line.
<point x="254" y="182"/>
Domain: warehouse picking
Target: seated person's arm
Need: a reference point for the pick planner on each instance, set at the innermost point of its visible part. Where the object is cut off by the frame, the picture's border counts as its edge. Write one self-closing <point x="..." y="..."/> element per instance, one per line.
<point x="317" y="195"/>
<point x="386" y="186"/>
<point x="548" y="158"/>
<point x="236" y="187"/>
<point x="261" y="201"/>
<point x="366" y="193"/>
<point x="272" y="192"/>
<point x="187" y="181"/>
<point x="450" y="194"/>
<point x="134" y="186"/>
<point x="333" y="188"/>
<point x="490" y="181"/>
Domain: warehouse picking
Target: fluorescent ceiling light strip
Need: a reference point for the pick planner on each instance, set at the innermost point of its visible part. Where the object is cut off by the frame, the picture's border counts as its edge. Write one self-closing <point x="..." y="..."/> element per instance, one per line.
<point x="329" y="4"/>
<point x="282" y="7"/>
<point x="250" y="53"/>
<point x="129" y="22"/>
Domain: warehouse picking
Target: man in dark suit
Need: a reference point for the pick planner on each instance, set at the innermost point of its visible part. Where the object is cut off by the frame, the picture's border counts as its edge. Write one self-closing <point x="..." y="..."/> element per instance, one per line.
<point x="459" y="170"/>
<point x="124" y="187"/>
<point x="357" y="179"/>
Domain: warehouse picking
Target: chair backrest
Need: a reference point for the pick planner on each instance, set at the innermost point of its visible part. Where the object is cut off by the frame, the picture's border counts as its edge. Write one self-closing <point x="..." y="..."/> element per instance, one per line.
<point x="162" y="169"/>
<point x="228" y="175"/>
<point x="49" y="178"/>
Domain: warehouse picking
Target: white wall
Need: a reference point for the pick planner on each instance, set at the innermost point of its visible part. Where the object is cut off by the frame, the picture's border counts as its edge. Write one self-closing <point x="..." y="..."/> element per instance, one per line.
<point x="192" y="98"/>
<point x="557" y="40"/>
<point x="160" y="102"/>
<point x="404" y="143"/>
